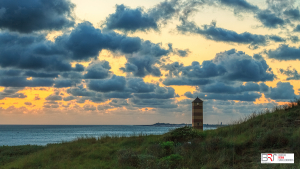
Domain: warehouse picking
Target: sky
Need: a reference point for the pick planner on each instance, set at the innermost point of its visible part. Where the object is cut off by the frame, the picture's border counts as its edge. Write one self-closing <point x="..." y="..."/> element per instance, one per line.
<point x="132" y="62"/>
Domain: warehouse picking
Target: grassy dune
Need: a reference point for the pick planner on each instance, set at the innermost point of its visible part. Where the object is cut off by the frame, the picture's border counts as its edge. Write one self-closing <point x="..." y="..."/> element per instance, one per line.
<point x="236" y="146"/>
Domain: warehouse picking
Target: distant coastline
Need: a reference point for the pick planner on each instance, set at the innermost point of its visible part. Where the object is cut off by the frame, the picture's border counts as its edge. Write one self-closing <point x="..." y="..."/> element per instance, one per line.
<point x="184" y="124"/>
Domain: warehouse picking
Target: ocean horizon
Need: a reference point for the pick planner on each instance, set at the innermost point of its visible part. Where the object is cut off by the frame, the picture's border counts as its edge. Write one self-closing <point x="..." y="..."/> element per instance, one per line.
<point x="14" y="135"/>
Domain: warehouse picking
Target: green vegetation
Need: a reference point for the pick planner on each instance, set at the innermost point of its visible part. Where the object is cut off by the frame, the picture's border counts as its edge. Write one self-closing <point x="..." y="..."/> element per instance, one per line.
<point x="236" y="146"/>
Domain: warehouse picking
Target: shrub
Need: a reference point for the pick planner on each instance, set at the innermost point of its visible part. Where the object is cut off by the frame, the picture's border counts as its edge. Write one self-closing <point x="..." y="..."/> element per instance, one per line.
<point x="128" y="157"/>
<point x="184" y="134"/>
<point x="168" y="146"/>
<point x="173" y="161"/>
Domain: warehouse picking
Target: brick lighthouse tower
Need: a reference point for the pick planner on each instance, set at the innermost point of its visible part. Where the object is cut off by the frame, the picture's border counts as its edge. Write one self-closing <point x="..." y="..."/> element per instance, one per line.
<point x="197" y="110"/>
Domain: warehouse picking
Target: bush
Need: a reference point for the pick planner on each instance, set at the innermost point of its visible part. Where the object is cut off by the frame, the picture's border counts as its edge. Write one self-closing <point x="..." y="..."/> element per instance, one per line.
<point x="128" y="157"/>
<point x="168" y="146"/>
<point x="173" y="161"/>
<point x="184" y="134"/>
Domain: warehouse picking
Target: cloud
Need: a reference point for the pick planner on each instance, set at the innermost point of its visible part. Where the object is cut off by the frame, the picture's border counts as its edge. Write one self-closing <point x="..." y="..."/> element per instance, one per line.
<point x="220" y="87"/>
<point x="31" y="52"/>
<point x="292" y="13"/>
<point x="53" y="97"/>
<point x="98" y="70"/>
<point x="116" y="83"/>
<point x="36" y="15"/>
<point x="294" y="39"/>
<point x="130" y="20"/>
<point x="137" y="85"/>
<point x="127" y="19"/>
<point x="269" y="19"/>
<point x="88" y="107"/>
<point x="28" y="103"/>
<point x="220" y="34"/>
<point x="86" y="42"/>
<point x="226" y="66"/>
<point x="239" y="4"/>
<point x="155" y="103"/>
<point x="11" y="92"/>
<point x="284" y="52"/>
<point x="159" y="93"/>
<point x="60" y="83"/>
<point x="69" y="98"/>
<point x="179" y="52"/>
<point x="10" y="72"/>
<point x="40" y="74"/>
<point x="297" y="28"/>
<point x="245" y="96"/>
<point x="23" y="82"/>
<point x="276" y="38"/>
<point x="282" y="91"/>
<point x="292" y="74"/>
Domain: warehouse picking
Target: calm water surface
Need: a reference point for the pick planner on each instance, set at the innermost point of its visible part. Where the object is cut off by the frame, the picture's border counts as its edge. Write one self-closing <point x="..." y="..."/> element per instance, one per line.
<point x="44" y="134"/>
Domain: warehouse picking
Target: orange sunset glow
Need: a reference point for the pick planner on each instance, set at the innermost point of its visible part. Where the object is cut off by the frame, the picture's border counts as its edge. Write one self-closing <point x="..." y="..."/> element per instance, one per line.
<point x="142" y="62"/>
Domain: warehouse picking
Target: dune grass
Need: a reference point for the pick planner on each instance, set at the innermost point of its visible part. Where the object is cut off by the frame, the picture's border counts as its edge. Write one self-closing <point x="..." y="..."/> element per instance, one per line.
<point x="236" y="146"/>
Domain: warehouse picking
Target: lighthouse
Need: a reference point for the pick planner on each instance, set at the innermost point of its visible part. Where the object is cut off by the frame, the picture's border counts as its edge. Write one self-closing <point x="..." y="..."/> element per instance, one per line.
<point x="197" y="113"/>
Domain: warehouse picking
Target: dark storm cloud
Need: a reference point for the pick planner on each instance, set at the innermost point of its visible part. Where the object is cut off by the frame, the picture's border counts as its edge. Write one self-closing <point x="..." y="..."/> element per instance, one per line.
<point x="282" y="91"/>
<point x="79" y="68"/>
<point x="80" y="91"/>
<point x="86" y="42"/>
<point x="60" y="83"/>
<point x="118" y="103"/>
<point x="242" y="67"/>
<point x="179" y="52"/>
<point x="137" y="85"/>
<point x="98" y="70"/>
<point x="220" y="87"/>
<point x="31" y="52"/>
<point x="284" y="52"/>
<point x="293" y="13"/>
<point x="269" y="19"/>
<point x="160" y="93"/>
<point x="141" y="66"/>
<point x="229" y="66"/>
<point x="11" y="92"/>
<point x="23" y="82"/>
<point x="131" y="20"/>
<point x="245" y="96"/>
<point x="292" y="74"/>
<point x="240" y="4"/>
<point x="294" y="39"/>
<point x="155" y="103"/>
<point x="69" y="98"/>
<point x="120" y="95"/>
<point x="276" y="38"/>
<point x="263" y="87"/>
<point x="116" y="83"/>
<point x="35" y="15"/>
<point x="40" y="74"/>
<point x="219" y="34"/>
<point x="127" y="19"/>
<point x="297" y="28"/>
<point x="10" y="72"/>
<point x="182" y="81"/>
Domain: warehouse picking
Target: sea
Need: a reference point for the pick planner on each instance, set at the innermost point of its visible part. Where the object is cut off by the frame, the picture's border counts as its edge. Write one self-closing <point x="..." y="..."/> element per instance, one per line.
<point x="14" y="135"/>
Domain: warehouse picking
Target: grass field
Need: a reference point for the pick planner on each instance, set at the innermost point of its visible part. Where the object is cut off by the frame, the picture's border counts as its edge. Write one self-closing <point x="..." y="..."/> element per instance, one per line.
<point x="236" y="146"/>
